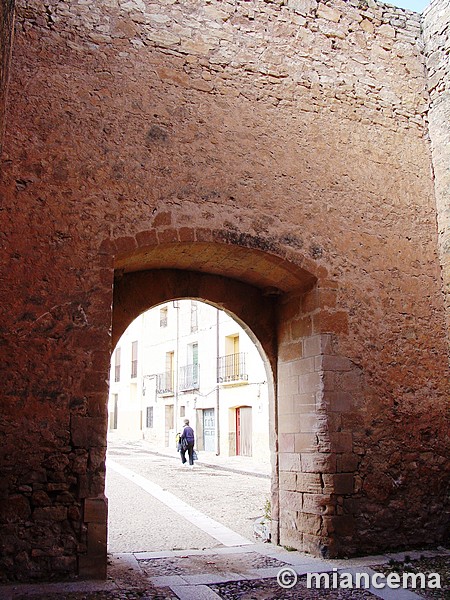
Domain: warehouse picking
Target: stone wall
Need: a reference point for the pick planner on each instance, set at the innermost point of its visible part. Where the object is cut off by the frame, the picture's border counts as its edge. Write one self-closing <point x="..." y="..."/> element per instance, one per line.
<point x="436" y="32"/>
<point x="279" y="144"/>
<point x="6" y="30"/>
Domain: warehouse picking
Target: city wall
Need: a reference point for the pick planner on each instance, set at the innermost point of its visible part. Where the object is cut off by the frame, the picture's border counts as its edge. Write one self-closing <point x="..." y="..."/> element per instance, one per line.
<point x="436" y="34"/>
<point x="279" y="145"/>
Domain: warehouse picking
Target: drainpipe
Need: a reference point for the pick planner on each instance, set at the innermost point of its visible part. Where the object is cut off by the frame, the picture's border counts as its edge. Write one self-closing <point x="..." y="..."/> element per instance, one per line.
<point x="217" y="413"/>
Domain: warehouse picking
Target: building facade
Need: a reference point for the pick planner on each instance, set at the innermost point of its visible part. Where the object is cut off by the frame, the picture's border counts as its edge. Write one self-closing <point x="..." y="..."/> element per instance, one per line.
<point x="188" y="359"/>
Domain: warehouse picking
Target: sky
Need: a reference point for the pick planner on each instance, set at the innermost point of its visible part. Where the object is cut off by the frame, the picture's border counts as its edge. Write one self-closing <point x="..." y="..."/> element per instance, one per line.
<point x="417" y="5"/>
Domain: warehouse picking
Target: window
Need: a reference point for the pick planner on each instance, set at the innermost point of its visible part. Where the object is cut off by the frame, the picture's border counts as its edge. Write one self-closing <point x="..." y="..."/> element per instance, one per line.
<point x="231" y="367"/>
<point x="190" y="375"/>
<point x="117" y="365"/>
<point x="134" y="362"/>
<point x="182" y="411"/>
<point x="165" y="381"/>
<point x="163" y="316"/>
<point x="194" y="316"/>
<point x="149" y="421"/>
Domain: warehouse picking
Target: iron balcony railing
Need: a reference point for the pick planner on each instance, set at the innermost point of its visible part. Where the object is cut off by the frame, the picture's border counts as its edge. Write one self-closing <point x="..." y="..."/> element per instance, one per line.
<point x="189" y="377"/>
<point x="232" y="368"/>
<point x="164" y="383"/>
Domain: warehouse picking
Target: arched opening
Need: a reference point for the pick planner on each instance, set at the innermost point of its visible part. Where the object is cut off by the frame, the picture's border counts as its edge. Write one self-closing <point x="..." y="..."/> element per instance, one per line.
<point x="186" y="359"/>
<point x="289" y="307"/>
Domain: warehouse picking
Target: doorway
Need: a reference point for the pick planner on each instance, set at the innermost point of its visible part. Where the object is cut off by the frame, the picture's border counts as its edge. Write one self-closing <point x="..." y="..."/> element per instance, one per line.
<point x="244" y="431"/>
<point x="209" y="430"/>
<point x="169" y="423"/>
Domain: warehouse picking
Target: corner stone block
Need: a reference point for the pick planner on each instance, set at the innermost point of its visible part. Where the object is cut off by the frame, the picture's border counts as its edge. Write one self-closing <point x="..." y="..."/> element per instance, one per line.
<point x="288" y="481"/>
<point x="95" y="510"/>
<point x="318" y="504"/>
<point x="92" y="568"/>
<point x="289" y="461"/>
<point x="96" y="539"/>
<point x="309" y="523"/>
<point x="88" y="431"/>
<point x="312" y="346"/>
<point x="289" y="537"/>
<point x="342" y="525"/>
<point x="309" y="483"/>
<point x="286" y="442"/>
<point x="290" y="501"/>
<point x="340" y="483"/>
<point x="318" y="463"/>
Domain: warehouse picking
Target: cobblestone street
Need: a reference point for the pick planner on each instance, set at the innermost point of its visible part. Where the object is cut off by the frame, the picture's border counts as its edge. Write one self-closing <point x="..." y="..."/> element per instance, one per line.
<point x="139" y="521"/>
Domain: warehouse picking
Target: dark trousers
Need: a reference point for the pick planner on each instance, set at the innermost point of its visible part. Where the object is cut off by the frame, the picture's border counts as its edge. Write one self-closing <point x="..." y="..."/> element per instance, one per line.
<point x="190" y="451"/>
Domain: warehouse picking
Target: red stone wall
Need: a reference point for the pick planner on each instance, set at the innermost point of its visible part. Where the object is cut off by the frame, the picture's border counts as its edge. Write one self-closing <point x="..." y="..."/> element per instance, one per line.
<point x="6" y="31"/>
<point x="280" y="144"/>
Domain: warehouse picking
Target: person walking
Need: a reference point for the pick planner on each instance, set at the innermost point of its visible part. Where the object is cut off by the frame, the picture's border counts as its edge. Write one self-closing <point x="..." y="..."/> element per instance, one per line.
<point x="187" y="441"/>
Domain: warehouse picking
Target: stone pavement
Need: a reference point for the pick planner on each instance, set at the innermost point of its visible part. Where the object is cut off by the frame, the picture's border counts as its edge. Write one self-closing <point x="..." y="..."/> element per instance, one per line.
<point x="238" y="464"/>
<point x="200" y="574"/>
<point x="237" y="570"/>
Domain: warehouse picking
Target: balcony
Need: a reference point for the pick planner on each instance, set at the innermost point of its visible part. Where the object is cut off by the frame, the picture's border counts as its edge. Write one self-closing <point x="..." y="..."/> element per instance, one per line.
<point x="189" y="378"/>
<point x="232" y="369"/>
<point x="164" y="383"/>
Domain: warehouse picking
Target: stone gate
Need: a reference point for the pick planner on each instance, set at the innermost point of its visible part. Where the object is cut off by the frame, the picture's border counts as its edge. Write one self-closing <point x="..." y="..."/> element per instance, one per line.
<point x="272" y="157"/>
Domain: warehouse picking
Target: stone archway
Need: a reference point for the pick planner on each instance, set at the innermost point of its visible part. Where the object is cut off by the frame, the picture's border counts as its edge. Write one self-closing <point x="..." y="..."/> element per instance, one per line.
<point x="291" y="313"/>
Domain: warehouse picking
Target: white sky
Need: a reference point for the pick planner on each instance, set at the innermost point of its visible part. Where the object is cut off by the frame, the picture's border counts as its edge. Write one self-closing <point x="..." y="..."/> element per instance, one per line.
<point x="417" y="5"/>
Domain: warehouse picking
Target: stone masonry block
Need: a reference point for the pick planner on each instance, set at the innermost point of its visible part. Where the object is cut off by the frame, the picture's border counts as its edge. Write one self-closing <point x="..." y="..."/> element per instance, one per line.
<point x="288" y="481"/>
<point x="288" y="519"/>
<point x="330" y="322"/>
<point x="309" y="483"/>
<point x="291" y="538"/>
<point x="286" y="442"/>
<point x="88" y="431"/>
<point x="347" y="462"/>
<point x="309" y="523"/>
<point x="312" y="346"/>
<point x="339" y="524"/>
<point x="96" y="539"/>
<point x="285" y="404"/>
<point x="289" y="352"/>
<point x="289" y="461"/>
<point x="341" y="441"/>
<point x="339" y="483"/>
<point x="288" y="386"/>
<point x="146" y="238"/>
<point x="91" y="567"/>
<point x="318" y="504"/>
<point x="302" y="366"/>
<point x="290" y="500"/>
<point x="309" y="382"/>
<point x="335" y="363"/>
<point x="302" y="402"/>
<point x="289" y="423"/>
<point x="339" y="401"/>
<point x="305" y="442"/>
<point x="318" y="463"/>
<point x="95" y="510"/>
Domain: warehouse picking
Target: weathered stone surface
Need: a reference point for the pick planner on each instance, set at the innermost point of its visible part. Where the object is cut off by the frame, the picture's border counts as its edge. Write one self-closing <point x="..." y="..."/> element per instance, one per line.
<point x="437" y="48"/>
<point x="273" y="160"/>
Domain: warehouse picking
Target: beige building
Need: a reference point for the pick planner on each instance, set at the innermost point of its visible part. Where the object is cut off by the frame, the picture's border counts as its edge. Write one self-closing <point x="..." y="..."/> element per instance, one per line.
<point x="187" y="359"/>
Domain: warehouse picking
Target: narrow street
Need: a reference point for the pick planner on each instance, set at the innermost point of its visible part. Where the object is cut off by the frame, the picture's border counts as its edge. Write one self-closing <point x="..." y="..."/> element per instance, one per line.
<point x="139" y="521"/>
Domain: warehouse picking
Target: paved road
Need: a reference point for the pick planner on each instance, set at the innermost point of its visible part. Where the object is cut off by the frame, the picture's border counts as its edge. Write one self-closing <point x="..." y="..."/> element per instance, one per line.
<point x="140" y="522"/>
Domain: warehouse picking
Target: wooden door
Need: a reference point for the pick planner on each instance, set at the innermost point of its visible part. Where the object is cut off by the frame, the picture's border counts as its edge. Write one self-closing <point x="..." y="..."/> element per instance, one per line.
<point x="244" y="431"/>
